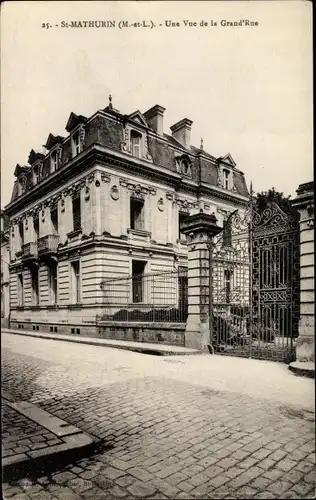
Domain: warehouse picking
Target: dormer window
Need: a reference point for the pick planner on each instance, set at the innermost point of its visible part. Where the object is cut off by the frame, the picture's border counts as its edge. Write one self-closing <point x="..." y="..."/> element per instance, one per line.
<point x="136" y="143"/>
<point x="184" y="165"/>
<point x="226" y="176"/>
<point x="35" y="175"/>
<point x="21" y="185"/>
<point x="75" y="144"/>
<point x="53" y="162"/>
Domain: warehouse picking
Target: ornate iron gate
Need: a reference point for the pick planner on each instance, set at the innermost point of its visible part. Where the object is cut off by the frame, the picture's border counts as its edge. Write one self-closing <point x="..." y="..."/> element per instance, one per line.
<point x="255" y="272"/>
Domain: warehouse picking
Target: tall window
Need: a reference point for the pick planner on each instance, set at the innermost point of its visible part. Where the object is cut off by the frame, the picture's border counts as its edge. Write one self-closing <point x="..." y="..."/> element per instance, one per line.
<point x="75" y="144"/>
<point x="75" y="278"/>
<point x="226" y="179"/>
<point x="136" y="143"/>
<point x="21" y="232"/>
<point x="54" y="219"/>
<point x="137" y="213"/>
<point x="53" y="283"/>
<point x="20" y="290"/>
<point x="76" y="212"/>
<point x="36" y="228"/>
<point x="181" y="235"/>
<point x="53" y="162"/>
<point x="35" y="294"/>
<point x="227" y="233"/>
<point x="138" y="270"/>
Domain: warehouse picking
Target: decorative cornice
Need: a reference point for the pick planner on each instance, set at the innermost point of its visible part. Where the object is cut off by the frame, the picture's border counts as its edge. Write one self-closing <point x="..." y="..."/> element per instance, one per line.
<point x="97" y="155"/>
<point x="53" y="200"/>
<point x="137" y="189"/>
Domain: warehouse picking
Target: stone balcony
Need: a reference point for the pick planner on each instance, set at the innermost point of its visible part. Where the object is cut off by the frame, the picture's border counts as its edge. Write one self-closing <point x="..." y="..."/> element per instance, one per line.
<point x="29" y="253"/>
<point x="48" y="245"/>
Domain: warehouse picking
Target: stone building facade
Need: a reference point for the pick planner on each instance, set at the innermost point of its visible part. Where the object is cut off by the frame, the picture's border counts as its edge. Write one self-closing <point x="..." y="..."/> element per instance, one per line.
<point x="305" y="345"/>
<point x="107" y="200"/>
<point x="5" y="258"/>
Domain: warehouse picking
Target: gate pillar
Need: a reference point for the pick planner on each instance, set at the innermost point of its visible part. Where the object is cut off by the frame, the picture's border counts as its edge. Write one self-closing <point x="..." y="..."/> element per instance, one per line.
<point x="305" y="344"/>
<point x="199" y="229"/>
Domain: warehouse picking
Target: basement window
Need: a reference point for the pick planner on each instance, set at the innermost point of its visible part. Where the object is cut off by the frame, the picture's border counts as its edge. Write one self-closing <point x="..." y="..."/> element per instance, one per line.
<point x="138" y="271"/>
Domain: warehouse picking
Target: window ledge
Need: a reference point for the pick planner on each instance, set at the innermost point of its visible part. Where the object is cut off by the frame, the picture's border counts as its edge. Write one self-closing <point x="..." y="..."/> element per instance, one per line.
<point x="75" y="233"/>
<point x="139" y="232"/>
<point x="75" y="306"/>
<point x="52" y="306"/>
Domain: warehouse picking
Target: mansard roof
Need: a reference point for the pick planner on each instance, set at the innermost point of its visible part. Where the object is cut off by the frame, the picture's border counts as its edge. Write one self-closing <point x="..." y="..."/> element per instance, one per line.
<point x="74" y="120"/>
<point x="103" y="130"/>
<point x="52" y="140"/>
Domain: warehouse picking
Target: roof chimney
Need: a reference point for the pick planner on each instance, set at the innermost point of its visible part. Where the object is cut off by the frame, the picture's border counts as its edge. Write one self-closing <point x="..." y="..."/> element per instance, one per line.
<point x="181" y="131"/>
<point x="154" y="118"/>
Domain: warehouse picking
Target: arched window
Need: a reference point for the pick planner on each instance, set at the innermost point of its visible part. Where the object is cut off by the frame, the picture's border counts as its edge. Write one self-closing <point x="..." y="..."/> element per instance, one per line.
<point x="186" y="166"/>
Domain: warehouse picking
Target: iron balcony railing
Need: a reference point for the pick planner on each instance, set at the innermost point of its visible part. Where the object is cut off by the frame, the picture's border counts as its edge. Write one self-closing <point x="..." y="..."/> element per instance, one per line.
<point x="48" y="244"/>
<point x="29" y="250"/>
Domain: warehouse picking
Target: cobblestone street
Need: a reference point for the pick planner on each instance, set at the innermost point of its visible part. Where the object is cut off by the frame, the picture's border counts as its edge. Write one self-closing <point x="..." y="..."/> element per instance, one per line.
<point x="177" y="427"/>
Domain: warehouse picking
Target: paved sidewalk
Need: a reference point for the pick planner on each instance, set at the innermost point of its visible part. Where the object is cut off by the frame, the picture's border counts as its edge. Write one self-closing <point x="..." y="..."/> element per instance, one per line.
<point x="180" y="427"/>
<point x="31" y="436"/>
<point x="144" y="347"/>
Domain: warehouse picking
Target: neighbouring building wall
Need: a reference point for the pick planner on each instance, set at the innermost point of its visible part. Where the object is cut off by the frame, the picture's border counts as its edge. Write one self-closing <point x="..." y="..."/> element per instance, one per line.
<point x="305" y="346"/>
<point x="5" y="289"/>
<point x="5" y="277"/>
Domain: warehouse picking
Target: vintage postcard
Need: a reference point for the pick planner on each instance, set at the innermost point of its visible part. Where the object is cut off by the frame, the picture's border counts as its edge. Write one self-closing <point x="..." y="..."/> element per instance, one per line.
<point x="157" y="250"/>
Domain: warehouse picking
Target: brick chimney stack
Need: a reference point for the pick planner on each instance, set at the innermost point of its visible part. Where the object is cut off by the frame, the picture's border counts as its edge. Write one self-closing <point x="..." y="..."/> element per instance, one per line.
<point x="154" y="118"/>
<point x="181" y="131"/>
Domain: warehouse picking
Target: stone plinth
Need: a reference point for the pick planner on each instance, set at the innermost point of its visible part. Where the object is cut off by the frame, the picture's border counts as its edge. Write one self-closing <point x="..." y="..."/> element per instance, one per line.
<point x="305" y="345"/>
<point x="200" y="229"/>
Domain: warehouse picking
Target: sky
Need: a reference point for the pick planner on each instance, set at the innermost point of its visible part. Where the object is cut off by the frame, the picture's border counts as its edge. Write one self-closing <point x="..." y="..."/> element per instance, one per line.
<point x="247" y="89"/>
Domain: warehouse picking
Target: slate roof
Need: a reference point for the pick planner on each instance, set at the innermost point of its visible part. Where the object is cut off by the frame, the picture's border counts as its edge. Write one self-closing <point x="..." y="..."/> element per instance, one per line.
<point x="106" y="128"/>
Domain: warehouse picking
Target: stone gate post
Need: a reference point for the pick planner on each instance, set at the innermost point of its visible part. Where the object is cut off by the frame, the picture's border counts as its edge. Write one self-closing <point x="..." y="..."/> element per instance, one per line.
<point x="200" y="229"/>
<point x="305" y="344"/>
